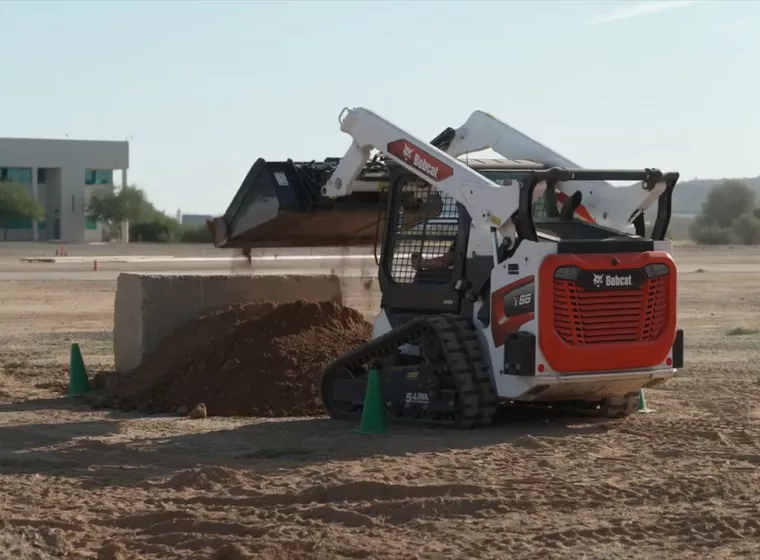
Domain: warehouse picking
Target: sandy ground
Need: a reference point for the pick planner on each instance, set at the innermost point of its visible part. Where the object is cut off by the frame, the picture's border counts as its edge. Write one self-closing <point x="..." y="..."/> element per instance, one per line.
<point x="681" y="482"/>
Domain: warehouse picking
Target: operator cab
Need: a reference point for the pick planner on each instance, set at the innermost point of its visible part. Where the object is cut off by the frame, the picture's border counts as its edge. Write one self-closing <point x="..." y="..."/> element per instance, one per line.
<point x="427" y="253"/>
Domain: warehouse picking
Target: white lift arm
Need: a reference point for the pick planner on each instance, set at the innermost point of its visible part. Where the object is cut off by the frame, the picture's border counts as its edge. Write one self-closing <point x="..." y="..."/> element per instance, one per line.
<point x="611" y="206"/>
<point x="489" y="205"/>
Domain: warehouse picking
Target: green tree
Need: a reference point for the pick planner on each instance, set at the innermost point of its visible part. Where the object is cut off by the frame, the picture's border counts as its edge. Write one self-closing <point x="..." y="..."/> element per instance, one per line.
<point x="114" y="206"/>
<point x="196" y="234"/>
<point x="17" y="203"/>
<point x="156" y="228"/>
<point x="706" y="234"/>
<point x="747" y="228"/>
<point x="727" y="201"/>
<point x="728" y="216"/>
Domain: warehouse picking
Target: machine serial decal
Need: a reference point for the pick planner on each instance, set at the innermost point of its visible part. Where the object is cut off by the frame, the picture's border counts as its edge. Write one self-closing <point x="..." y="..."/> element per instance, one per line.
<point x="511" y="307"/>
<point x="414" y="156"/>
<point x="417" y="398"/>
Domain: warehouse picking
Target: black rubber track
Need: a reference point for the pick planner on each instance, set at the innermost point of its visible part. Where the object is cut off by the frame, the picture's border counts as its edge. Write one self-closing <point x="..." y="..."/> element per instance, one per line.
<point x="461" y="366"/>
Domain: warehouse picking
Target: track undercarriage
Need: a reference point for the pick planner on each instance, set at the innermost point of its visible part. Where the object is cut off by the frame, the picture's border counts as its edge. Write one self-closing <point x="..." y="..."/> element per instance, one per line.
<point x="448" y="384"/>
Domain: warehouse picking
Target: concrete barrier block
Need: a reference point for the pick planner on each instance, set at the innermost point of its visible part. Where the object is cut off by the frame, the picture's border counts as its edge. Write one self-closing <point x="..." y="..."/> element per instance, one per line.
<point x="148" y="307"/>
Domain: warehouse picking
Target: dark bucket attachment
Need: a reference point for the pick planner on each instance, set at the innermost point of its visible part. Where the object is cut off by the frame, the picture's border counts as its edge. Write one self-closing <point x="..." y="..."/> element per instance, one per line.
<point x="280" y="204"/>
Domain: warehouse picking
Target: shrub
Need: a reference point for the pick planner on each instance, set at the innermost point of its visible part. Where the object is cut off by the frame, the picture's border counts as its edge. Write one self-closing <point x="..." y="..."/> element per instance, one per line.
<point x="728" y="216"/>
<point x="726" y="202"/>
<point x="705" y="234"/>
<point x="159" y="228"/>
<point x="195" y="234"/>
<point x="746" y="228"/>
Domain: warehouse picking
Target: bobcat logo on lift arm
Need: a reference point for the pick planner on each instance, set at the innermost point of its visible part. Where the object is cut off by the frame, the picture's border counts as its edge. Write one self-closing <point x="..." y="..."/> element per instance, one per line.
<point x="426" y="163"/>
<point x="598" y="279"/>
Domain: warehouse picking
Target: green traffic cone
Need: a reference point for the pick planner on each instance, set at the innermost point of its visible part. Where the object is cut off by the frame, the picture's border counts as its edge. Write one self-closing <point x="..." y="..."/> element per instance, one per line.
<point x="642" y="408"/>
<point x="79" y="384"/>
<point x="374" y="420"/>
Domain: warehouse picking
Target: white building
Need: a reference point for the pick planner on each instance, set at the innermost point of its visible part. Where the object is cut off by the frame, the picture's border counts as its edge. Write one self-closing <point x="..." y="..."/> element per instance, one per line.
<point x="61" y="174"/>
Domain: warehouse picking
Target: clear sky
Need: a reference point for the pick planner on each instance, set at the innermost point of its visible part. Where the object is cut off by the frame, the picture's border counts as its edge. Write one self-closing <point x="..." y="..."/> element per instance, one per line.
<point x="202" y="89"/>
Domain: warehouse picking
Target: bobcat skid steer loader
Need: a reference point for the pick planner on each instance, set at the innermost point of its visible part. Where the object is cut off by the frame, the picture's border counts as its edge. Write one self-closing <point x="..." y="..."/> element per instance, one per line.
<point x="485" y="300"/>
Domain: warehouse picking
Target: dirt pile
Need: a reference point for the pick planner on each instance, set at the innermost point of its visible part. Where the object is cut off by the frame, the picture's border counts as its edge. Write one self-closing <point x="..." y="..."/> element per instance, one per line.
<point x="257" y="359"/>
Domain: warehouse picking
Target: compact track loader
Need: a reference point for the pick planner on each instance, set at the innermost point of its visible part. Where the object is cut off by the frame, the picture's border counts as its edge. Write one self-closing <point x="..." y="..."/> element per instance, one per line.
<point x="525" y="280"/>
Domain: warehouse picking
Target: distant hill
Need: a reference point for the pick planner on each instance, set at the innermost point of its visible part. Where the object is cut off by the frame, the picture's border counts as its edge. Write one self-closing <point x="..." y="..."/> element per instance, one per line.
<point x="689" y="195"/>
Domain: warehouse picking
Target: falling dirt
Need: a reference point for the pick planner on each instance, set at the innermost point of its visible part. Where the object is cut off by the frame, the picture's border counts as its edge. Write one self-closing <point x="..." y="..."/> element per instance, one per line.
<point x="257" y="359"/>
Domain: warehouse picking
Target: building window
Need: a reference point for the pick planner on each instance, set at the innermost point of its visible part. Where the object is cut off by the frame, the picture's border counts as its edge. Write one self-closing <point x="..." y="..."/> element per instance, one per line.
<point x="98" y="176"/>
<point x="41" y="175"/>
<point x="16" y="174"/>
<point x="18" y="223"/>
